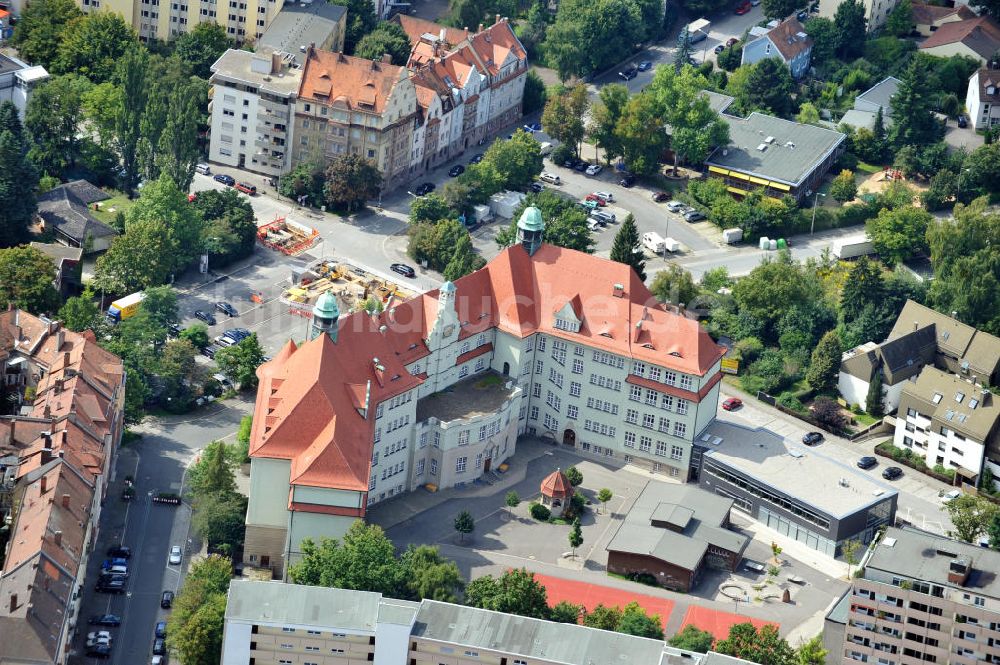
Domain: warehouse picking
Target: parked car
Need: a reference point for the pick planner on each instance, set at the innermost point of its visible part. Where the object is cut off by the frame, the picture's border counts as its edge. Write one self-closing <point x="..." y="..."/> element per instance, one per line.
<point x="675" y="206"/>
<point x="645" y="65"/>
<point x="588" y="205"/>
<point x="593" y="224"/>
<point x="693" y="216"/>
<point x="719" y="48"/>
<point x="892" y="472"/>
<point x="532" y="127"/>
<point x="167" y="600"/>
<point x="731" y="403"/>
<point x="660" y="197"/>
<point x="425" y="189"/>
<point x="628" y="73"/>
<point x="161" y="629"/>
<point x="743" y="8"/>
<point x="105" y="620"/>
<point x="802" y="16"/>
<point x="698" y="36"/>
<point x="627" y="181"/>
<point x="99" y="651"/>
<point x="755" y="566"/>
<point x="963" y="121"/>
<point x="603" y="216"/>
<point x="403" y="269"/>
<point x="476" y="159"/>
<point x="867" y="462"/>
<point x="159" y="647"/>
<point x="210" y="351"/>
<point x="110" y="586"/>
<point x="732" y="40"/>
<point x="596" y="199"/>
<point x="607" y="196"/>
<point x="99" y="635"/>
<point x="226" y="180"/>
<point x="157" y="660"/>
<point x="812" y="438"/>
<point x="207" y="317"/>
<point x="108" y="564"/>
<point x="536" y="187"/>
<point x="175" y="555"/>
<point x="456" y="170"/>
<point x="226" y="308"/>
<point x="582" y="166"/>
<point x="246" y="188"/>
<point x="951" y="495"/>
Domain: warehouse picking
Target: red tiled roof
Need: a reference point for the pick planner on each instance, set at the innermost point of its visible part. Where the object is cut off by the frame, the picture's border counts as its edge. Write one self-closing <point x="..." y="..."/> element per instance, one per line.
<point x="334" y="77"/>
<point x="786" y="39"/>
<point x="557" y="485"/>
<point x="672" y="390"/>
<point x="924" y="14"/>
<point x="415" y="28"/>
<point x="981" y="35"/>
<point x="474" y="353"/>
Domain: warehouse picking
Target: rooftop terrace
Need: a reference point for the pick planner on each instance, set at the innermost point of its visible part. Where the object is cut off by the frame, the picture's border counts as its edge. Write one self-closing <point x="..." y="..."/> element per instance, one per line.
<point x="479" y="395"/>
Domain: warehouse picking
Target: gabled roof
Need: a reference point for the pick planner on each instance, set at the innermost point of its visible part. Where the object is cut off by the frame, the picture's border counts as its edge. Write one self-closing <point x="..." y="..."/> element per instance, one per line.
<point x="790" y="38"/>
<point x="981" y="35"/>
<point x="415" y="28"/>
<point x="358" y="84"/>
<point x="66" y="209"/>
<point x="924" y="14"/>
<point x="986" y="79"/>
<point x="950" y="334"/>
<point x="880" y="94"/>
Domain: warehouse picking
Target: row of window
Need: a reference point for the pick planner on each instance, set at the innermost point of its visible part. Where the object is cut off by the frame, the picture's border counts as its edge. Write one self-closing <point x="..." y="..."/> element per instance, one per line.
<point x="645" y="443"/>
<point x="605" y="382"/>
<point x="599" y="428"/>
<point x="653" y="398"/>
<point x="606" y="358"/>
<point x="480" y="366"/>
<point x="602" y="405"/>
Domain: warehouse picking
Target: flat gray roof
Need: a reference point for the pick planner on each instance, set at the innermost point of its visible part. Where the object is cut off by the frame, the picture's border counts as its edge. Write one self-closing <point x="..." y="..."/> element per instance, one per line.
<point x="532" y="638"/>
<point x="926" y="557"/>
<point x="718" y="101"/>
<point x="838" y="613"/>
<point x="298" y="26"/>
<point x="795" y="470"/>
<point x="796" y="151"/>
<point x="297" y="604"/>
<point x="478" y="395"/>
<point x="237" y="65"/>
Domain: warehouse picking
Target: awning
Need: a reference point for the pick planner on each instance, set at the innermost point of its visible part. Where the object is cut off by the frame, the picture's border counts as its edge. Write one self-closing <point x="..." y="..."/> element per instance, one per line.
<point x="736" y="190"/>
<point x="741" y="176"/>
<point x="759" y="181"/>
<point x="782" y="187"/>
<point x="718" y="169"/>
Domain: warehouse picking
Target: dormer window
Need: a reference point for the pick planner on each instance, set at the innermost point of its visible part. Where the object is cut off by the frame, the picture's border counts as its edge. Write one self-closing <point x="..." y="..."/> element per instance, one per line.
<point x="567" y="325"/>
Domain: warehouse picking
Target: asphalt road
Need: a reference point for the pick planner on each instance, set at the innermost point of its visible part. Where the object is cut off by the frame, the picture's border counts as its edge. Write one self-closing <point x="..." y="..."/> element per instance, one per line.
<point x="157" y="462"/>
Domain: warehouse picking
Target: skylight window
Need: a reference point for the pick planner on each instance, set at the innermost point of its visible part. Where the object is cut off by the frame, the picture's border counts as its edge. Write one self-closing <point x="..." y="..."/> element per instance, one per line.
<point x="973" y="403"/>
<point x="937" y="398"/>
<point x="959" y="396"/>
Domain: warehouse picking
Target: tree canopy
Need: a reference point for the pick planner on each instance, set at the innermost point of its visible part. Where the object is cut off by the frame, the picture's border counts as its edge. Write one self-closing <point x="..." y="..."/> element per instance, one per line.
<point x="26" y="277"/>
<point x="516" y="591"/>
<point x="386" y="38"/>
<point x="764" y="646"/>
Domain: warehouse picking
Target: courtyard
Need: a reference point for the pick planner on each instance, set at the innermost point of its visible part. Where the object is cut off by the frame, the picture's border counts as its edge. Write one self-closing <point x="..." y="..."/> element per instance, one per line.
<point x="507" y="538"/>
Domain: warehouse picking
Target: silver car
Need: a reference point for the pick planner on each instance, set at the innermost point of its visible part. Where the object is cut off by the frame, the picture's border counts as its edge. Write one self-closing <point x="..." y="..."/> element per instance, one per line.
<point x="175" y="555"/>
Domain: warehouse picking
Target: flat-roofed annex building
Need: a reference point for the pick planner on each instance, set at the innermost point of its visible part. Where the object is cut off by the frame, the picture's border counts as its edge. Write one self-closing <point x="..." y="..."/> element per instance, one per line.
<point x="435" y="390"/>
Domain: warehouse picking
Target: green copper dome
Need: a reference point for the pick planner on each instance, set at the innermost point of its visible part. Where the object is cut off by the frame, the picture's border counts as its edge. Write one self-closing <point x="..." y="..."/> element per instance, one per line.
<point x="531" y="220"/>
<point x="448" y="287"/>
<point x="326" y="306"/>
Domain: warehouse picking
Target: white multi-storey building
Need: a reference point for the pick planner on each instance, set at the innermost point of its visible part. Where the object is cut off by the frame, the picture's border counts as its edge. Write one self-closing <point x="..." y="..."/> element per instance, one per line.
<point x="543" y="341"/>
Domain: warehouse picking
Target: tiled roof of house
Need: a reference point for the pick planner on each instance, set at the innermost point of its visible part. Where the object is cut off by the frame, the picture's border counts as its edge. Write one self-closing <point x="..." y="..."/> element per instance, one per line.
<point x="415" y="28"/>
<point x="315" y="404"/>
<point x="66" y="209"/>
<point x="981" y="35"/>
<point x="556" y="485"/>
<point x="356" y="83"/>
<point x="988" y="78"/>
<point x="924" y="14"/>
<point x="790" y="38"/>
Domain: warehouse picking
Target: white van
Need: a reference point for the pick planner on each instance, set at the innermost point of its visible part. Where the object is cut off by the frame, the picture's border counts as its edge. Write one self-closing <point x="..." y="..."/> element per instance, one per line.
<point x="550" y="178"/>
<point x="546" y="148"/>
<point x="203" y="169"/>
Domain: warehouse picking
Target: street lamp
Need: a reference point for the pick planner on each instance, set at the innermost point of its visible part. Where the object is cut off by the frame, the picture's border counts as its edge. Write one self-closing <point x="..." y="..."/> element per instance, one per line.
<point x="958" y="191"/>
<point x="812" y="226"/>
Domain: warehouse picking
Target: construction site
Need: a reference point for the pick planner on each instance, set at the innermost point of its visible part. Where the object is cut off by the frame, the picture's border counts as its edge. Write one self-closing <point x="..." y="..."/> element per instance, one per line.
<point x="287" y="236"/>
<point x="355" y="289"/>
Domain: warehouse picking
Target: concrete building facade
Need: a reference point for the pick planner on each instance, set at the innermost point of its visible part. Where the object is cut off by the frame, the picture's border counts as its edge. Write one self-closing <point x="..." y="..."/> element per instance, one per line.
<point x="982" y="99"/>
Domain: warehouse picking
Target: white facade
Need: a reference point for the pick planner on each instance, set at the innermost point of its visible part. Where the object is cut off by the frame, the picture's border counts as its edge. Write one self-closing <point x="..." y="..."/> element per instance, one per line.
<point x="876" y="11"/>
<point x="17" y="80"/>
<point x="945" y="447"/>
<point x="982" y="100"/>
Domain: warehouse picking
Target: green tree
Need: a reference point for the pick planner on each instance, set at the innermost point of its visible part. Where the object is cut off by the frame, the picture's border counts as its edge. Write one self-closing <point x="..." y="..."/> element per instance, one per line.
<point x="464" y="524"/>
<point x="604" y="495"/>
<point x="590" y="35"/>
<point x="627" y="249"/>
<point x="197" y="620"/>
<point x="864" y="286"/>
<point x="764" y="646"/>
<point x="231" y="220"/>
<point x="93" y="44"/>
<point x="385" y="38"/>
<point x="80" y="312"/>
<point x="26" y="276"/>
<point x="566" y="612"/>
<point x="603" y="617"/>
<point x="220" y="519"/>
<point x="160" y="305"/>
<point x="825" y="363"/>
<point x="993" y="531"/>
<point x="430" y="208"/>
<point x="178" y="152"/>
<point x="463" y="261"/>
<point x="364" y="560"/>
<point x="575" y="536"/>
<point x="988" y="7"/>
<point x="771" y="288"/>
<point x="640" y="133"/>
<point x="565" y="223"/>
<point x="212" y="473"/>
<point x="562" y="118"/>
<point x="52" y="118"/>
<point x="350" y="181"/>
<point x="18" y="181"/>
<point x="971" y="516"/>
<point x="675" y="285"/>
<point x="899" y="234"/>
<point x="607" y="112"/>
<point x="692" y="638"/>
<point x="512" y="500"/>
<point x="812" y="652"/>
<point x="824" y="36"/>
<point x="133" y="74"/>
<point x="196" y="334"/>
<point x="40" y="29"/>
<point x="981" y="168"/>
<point x="574" y="476"/>
<point x="429" y="575"/>
<point x="635" y="621"/>
<point x="912" y="108"/>
<point x="516" y="161"/>
<point x="534" y="92"/>
<point x="361" y="20"/>
<point x="850" y="550"/>
<point x="240" y="361"/>
<point x="434" y="243"/>
<point x="100" y="103"/>
<point x="899" y="23"/>
<point x="779" y="9"/>
<point x="201" y="47"/>
<point x="516" y="591"/>
<point x="808" y="114"/>
<point x="211" y="574"/>
<point x="177" y="370"/>
<point x="768" y="87"/>
<point x="306" y="179"/>
<point x="843" y="188"/>
<point x="850" y="28"/>
<point x="874" y="400"/>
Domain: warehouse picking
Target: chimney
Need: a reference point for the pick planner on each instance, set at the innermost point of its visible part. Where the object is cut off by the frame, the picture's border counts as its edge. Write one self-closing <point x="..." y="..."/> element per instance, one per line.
<point x="480" y="28"/>
<point x="57" y="538"/>
<point x="43" y="484"/>
<point x="498" y="19"/>
<point x="65" y="501"/>
<point x="66" y="361"/>
<point x="618" y="291"/>
<point x="13" y="602"/>
<point x="60" y="338"/>
<point x="442" y="34"/>
<point x="915" y="325"/>
<point x="386" y="59"/>
<point x="958" y="570"/>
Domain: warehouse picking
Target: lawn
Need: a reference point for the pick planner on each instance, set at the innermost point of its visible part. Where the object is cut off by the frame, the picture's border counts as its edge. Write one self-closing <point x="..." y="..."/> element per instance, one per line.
<point x="111" y="207"/>
<point x="864" y="420"/>
<point x="868" y="168"/>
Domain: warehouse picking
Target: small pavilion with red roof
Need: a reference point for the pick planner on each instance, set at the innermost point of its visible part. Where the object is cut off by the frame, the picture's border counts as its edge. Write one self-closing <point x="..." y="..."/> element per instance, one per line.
<point x="556" y="491"/>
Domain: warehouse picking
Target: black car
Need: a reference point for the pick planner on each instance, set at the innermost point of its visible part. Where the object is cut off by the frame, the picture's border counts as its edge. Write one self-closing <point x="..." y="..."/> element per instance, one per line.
<point x="627" y="181"/>
<point x="963" y="121"/>
<point x="105" y="620"/>
<point x="161" y="629"/>
<point x="120" y="552"/>
<point x="207" y="317"/>
<point x="812" y="438"/>
<point x="629" y="73"/>
<point x="210" y="350"/>
<point x="456" y="170"/>
<point x="892" y="472"/>
<point x="166" y="601"/>
<point x="226" y="308"/>
<point x="581" y="166"/>
<point x="173" y="330"/>
<point x="111" y="586"/>
<point x="403" y="269"/>
<point x="802" y="16"/>
<point x="536" y="187"/>
<point x="476" y="159"/>
<point x="425" y="188"/>
<point x="719" y="48"/>
<point x="159" y="647"/>
<point x="237" y="335"/>
<point x="867" y="462"/>
<point x="99" y="651"/>
<point x="226" y="180"/>
<point x="660" y="197"/>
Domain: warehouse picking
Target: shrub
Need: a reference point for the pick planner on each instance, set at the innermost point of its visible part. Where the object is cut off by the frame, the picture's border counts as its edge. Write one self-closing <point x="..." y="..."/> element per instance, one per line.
<point x="791" y="402"/>
<point x="540" y="512"/>
<point x="643" y="578"/>
<point x="749" y="348"/>
<point x="828" y="412"/>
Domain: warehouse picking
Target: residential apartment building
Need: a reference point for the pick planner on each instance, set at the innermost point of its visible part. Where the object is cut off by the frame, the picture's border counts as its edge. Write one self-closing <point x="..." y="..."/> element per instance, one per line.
<point x="542" y="341"/>
<point x="349" y="105"/>
<point x="786" y="40"/>
<point x="982" y="99"/>
<point x="876" y="11"/>
<point x="56" y="459"/>
<point x="18" y="80"/>
<point x="272" y="623"/>
<point x="920" y="598"/>
<point x="251" y="108"/>
<point x="244" y="20"/>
